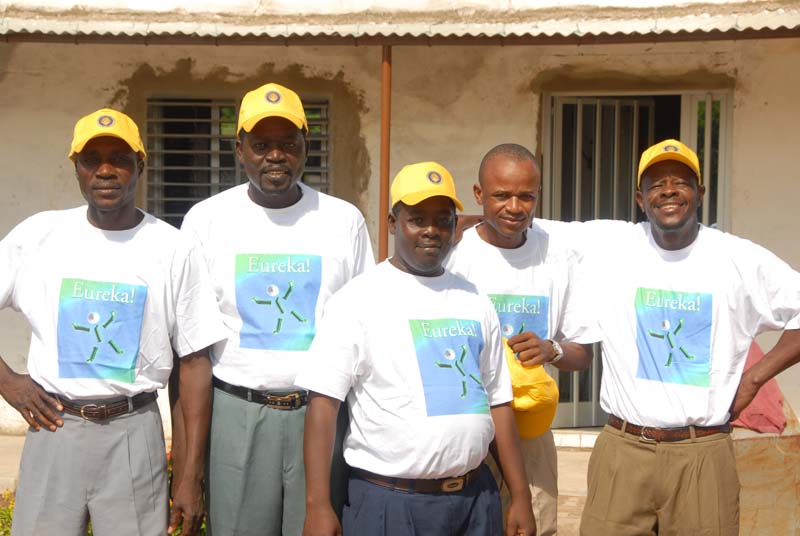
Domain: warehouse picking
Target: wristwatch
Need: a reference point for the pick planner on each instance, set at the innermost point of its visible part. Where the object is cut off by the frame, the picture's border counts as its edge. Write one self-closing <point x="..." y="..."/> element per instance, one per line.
<point x="558" y="350"/>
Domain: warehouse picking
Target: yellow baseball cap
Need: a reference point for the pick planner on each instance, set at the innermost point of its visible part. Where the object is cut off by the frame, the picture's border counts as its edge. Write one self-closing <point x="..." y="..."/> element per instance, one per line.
<point x="417" y="182"/>
<point x="106" y="122"/>
<point x="271" y="100"/>
<point x="668" y="150"/>
<point x="535" y="396"/>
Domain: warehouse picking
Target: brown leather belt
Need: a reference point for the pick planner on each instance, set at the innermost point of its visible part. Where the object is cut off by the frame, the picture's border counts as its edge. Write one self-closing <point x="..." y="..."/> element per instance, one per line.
<point x="420" y="485"/>
<point x="106" y="409"/>
<point x="284" y="401"/>
<point x="666" y="435"/>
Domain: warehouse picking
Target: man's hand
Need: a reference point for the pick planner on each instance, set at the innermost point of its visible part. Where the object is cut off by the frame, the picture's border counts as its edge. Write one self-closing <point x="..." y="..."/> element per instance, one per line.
<point x="26" y="396"/>
<point x="187" y="508"/>
<point x="321" y="521"/>
<point x="520" y="520"/>
<point x="531" y="350"/>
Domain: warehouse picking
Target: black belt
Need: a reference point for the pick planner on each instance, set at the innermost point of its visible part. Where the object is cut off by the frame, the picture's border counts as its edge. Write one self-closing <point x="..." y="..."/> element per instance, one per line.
<point x="106" y="409"/>
<point x="419" y="485"/>
<point x="285" y="401"/>
<point x="666" y="435"/>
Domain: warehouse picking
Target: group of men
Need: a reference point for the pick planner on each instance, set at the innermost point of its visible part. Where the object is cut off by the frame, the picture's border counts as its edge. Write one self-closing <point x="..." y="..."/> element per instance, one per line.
<point x="269" y="300"/>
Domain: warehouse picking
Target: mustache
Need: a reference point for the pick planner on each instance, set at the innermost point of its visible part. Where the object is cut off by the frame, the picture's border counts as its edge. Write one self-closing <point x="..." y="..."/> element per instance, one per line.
<point x="270" y="169"/>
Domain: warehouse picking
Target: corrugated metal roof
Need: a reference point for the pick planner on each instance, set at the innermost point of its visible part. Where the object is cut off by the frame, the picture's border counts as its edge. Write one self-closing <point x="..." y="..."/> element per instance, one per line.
<point x="764" y="17"/>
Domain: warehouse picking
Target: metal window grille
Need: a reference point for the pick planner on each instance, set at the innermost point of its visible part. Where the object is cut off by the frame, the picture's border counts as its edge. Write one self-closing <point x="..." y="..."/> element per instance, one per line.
<point x="191" y="152"/>
<point x="593" y="147"/>
<point x="596" y="147"/>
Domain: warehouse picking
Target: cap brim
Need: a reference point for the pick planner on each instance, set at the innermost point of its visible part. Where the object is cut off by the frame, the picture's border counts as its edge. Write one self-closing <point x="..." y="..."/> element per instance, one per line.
<point x="253" y="121"/>
<point x="671" y="155"/>
<point x="416" y="198"/>
<point x="77" y="148"/>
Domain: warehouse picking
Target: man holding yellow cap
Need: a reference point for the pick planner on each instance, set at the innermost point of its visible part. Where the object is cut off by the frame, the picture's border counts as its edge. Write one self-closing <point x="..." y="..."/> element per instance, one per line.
<point x="417" y="354"/>
<point x="533" y="283"/>
<point x="678" y="305"/>
<point x="276" y="250"/>
<point x="110" y="292"/>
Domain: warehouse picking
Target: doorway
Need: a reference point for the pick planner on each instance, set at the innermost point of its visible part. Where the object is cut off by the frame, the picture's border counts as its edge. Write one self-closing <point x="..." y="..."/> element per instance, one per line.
<point x="592" y="145"/>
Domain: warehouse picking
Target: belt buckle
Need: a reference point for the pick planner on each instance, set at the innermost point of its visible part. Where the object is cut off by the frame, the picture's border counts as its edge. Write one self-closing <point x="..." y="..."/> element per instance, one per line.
<point x="453" y="484"/>
<point x="292" y="400"/>
<point x="88" y="406"/>
<point x="644" y="437"/>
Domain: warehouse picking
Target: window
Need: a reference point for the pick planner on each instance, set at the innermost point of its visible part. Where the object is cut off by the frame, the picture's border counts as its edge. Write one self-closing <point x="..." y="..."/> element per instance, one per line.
<point x="191" y="152"/>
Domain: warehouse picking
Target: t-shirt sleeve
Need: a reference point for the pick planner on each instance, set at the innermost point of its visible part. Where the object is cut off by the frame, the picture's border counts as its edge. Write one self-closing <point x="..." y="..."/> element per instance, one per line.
<point x="334" y="355"/>
<point x="774" y="289"/>
<point x="587" y="240"/>
<point x="494" y="370"/>
<point x="198" y="321"/>
<point x="363" y="257"/>
<point x="11" y="257"/>
<point x="578" y="320"/>
<point x="192" y="230"/>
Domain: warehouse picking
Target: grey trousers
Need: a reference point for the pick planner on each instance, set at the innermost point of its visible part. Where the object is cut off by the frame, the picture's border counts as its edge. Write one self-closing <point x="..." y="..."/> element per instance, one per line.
<point x="113" y="471"/>
<point x="255" y="482"/>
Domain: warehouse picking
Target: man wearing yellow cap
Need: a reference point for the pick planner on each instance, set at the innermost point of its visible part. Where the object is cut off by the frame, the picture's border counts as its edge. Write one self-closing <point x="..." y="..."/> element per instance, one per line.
<point x="110" y="292"/>
<point x="534" y="285"/>
<point x="417" y="354"/>
<point x="276" y="250"/>
<point x="678" y="305"/>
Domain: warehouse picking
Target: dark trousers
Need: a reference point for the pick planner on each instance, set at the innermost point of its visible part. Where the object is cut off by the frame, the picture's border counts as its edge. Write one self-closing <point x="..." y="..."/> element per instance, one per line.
<point x="379" y="511"/>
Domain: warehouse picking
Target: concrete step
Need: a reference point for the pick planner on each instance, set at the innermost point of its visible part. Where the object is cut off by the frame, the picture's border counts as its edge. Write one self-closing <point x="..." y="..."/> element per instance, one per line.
<point x="10" y="454"/>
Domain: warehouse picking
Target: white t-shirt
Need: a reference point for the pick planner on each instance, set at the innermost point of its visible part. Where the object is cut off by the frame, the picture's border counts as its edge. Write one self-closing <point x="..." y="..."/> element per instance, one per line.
<point x="273" y="270"/>
<point x="106" y="307"/>
<point x="420" y="361"/>
<point x="535" y="287"/>
<point x="677" y="325"/>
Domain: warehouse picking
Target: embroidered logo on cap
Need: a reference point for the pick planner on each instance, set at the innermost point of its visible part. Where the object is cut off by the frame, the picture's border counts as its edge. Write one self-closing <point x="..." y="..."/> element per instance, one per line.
<point x="434" y="177"/>
<point x="273" y="97"/>
<point x="671" y="148"/>
<point x="105" y="121"/>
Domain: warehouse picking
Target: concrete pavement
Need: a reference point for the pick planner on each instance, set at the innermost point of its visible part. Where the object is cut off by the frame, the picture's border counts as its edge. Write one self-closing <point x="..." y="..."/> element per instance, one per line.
<point x="572" y="465"/>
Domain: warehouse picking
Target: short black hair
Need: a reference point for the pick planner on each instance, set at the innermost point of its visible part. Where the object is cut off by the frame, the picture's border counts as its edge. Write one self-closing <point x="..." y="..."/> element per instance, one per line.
<point x="513" y="151"/>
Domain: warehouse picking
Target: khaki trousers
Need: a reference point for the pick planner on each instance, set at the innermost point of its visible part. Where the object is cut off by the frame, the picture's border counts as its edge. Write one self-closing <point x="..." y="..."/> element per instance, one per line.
<point x="637" y="487"/>
<point x="541" y="467"/>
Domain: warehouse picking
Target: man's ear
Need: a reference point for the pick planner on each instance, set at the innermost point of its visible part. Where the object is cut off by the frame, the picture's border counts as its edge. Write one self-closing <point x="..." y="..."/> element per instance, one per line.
<point x="239" y="147"/>
<point x="639" y="199"/>
<point x="477" y="191"/>
<point x="392" y="221"/>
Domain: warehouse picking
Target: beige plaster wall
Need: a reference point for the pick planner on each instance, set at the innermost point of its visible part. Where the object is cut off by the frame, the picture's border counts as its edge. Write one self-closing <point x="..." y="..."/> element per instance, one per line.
<point x="45" y="88"/>
<point x="450" y="104"/>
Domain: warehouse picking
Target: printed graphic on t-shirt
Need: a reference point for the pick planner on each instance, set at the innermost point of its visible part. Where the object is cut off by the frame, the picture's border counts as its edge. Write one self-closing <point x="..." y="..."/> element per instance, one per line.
<point x="99" y="327"/>
<point x="519" y="313"/>
<point x="674" y="336"/>
<point x="448" y="351"/>
<point x="276" y="296"/>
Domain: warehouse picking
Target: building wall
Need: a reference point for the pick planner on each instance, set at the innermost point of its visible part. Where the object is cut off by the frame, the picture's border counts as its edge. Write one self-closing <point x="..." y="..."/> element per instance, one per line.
<point x="450" y="104"/>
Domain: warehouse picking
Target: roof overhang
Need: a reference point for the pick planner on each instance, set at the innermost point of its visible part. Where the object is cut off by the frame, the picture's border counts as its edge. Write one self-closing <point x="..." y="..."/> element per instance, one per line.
<point x="568" y="25"/>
